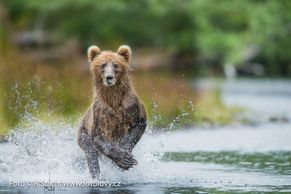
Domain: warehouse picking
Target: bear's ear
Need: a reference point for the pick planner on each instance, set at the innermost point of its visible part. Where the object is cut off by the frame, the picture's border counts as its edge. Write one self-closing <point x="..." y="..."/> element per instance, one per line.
<point x="124" y="51"/>
<point x="92" y="52"/>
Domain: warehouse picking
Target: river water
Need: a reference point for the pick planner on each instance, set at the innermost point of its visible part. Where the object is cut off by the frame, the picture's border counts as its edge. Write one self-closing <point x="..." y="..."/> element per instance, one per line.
<point x="240" y="158"/>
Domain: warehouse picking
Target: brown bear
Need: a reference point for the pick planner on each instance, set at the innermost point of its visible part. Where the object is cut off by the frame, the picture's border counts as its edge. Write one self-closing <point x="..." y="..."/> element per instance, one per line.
<point x="116" y="119"/>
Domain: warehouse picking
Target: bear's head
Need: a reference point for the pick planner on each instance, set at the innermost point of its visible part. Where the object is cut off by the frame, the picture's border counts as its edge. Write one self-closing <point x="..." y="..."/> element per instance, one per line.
<point x="109" y="68"/>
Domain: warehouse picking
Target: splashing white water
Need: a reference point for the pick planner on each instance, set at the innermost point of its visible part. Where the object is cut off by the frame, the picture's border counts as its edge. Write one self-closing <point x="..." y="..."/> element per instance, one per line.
<point x="43" y="151"/>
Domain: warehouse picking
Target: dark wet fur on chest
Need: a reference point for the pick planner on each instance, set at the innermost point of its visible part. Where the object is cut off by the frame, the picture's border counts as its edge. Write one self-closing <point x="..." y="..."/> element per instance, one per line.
<point x="113" y="124"/>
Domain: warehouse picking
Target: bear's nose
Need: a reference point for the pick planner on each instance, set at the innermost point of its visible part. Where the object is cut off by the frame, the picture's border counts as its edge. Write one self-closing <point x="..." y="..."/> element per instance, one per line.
<point x="109" y="78"/>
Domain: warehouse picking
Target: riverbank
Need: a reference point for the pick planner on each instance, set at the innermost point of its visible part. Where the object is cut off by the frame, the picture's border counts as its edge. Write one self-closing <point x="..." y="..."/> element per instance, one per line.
<point x="62" y="90"/>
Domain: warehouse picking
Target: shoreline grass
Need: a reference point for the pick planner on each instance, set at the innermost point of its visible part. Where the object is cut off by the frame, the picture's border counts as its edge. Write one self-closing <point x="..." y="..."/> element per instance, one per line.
<point x="64" y="91"/>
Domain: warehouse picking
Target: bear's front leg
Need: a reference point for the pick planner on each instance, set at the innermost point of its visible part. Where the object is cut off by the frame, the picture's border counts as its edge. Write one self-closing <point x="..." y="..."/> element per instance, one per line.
<point x="135" y="115"/>
<point x="134" y="134"/>
<point x="93" y="163"/>
<point x="113" y="151"/>
<point x="85" y="142"/>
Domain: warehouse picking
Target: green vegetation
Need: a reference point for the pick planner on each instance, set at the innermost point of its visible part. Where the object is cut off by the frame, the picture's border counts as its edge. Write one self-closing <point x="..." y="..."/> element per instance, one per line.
<point x="211" y="32"/>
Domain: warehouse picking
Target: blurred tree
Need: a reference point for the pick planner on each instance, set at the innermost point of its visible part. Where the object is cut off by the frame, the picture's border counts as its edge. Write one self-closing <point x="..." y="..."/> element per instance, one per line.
<point x="271" y="29"/>
<point x="216" y="32"/>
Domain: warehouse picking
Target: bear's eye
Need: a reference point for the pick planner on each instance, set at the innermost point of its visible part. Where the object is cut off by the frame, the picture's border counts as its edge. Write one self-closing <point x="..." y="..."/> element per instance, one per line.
<point x="103" y="65"/>
<point x="115" y="66"/>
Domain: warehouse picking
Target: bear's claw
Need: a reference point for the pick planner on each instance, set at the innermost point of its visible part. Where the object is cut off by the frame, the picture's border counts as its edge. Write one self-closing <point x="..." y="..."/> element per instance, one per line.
<point x="124" y="159"/>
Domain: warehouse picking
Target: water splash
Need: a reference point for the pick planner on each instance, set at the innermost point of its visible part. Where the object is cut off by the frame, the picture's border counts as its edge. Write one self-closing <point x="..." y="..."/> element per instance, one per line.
<point x="41" y="150"/>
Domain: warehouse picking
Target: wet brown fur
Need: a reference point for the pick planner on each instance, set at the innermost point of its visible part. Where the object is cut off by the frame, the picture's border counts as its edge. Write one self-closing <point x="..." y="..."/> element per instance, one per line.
<point x="109" y="112"/>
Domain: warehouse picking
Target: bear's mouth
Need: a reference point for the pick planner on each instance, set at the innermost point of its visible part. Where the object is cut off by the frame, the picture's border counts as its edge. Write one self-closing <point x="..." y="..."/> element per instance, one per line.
<point x="110" y="82"/>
